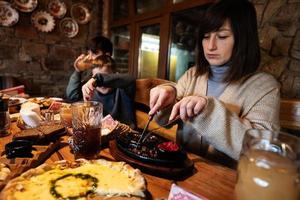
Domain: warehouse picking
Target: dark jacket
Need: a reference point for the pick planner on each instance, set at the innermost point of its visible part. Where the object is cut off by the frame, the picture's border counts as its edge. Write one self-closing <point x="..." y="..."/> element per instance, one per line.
<point x="119" y="103"/>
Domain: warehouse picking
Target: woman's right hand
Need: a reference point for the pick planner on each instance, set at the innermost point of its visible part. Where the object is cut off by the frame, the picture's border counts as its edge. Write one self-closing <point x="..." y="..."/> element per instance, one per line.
<point x="161" y="97"/>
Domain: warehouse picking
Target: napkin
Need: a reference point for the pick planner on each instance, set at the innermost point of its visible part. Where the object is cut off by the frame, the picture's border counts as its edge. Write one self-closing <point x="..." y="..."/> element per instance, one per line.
<point x="30" y="113"/>
<point x="178" y="193"/>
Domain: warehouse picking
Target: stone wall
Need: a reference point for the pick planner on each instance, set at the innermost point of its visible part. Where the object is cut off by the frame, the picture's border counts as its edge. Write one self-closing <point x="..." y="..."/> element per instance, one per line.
<point x="43" y="61"/>
<point x="279" y="29"/>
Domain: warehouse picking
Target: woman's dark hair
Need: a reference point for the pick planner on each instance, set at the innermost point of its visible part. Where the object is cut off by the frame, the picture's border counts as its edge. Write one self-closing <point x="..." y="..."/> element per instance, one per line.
<point x="105" y="60"/>
<point x="100" y="43"/>
<point x="245" y="56"/>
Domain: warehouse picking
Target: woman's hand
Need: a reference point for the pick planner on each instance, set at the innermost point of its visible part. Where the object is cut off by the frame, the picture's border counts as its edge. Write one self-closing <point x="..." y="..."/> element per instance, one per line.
<point x="88" y="89"/>
<point x="188" y="107"/>
<point x="161" y="97"/>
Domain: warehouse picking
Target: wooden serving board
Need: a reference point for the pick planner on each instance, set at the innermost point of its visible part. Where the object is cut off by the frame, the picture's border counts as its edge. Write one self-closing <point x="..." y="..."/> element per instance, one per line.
<point x="20" y="165"/>
<point x="177" y="172"/>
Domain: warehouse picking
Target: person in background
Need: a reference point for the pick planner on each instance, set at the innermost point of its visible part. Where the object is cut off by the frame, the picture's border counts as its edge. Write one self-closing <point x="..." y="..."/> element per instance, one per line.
<point x="114" y="90"/>
<point x="98" y="45"/>
<point x="224" y="94"/>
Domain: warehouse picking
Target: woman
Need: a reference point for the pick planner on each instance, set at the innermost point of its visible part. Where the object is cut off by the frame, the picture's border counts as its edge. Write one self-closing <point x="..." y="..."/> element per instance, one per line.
<point x="224" y="95"/>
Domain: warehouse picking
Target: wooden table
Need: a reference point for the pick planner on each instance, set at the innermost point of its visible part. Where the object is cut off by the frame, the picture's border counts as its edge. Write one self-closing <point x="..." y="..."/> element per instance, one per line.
<point x="209" y="179"/>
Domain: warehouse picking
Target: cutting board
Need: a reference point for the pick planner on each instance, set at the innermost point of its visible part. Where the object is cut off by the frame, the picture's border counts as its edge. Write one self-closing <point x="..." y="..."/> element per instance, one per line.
<point x="20" y="165"/>
<point x="177" y="172"/>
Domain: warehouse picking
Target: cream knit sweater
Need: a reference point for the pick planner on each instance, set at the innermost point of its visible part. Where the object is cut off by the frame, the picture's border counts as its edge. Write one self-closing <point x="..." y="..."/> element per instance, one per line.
<point x="250" y="103"/>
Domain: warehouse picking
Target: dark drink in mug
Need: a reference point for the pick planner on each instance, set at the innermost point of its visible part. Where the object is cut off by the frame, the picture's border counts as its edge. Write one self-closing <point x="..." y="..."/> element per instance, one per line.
<point x="87" y="141"/>
<point x="86" y="122"/>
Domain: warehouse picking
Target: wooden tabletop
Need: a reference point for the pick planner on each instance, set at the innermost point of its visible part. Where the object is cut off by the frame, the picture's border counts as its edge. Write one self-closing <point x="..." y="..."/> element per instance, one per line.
<point x="209" y="179"/>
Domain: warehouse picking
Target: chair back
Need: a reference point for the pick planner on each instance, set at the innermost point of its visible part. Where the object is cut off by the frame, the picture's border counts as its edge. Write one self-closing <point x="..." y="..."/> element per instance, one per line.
<point x="143" y="87"/>
<point x="290" y="114"/>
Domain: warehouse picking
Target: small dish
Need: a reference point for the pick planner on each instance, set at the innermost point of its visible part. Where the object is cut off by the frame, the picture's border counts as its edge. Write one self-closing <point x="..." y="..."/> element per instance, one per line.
<point x="168" y="146"/>
<point x="25" y="5"/>
<point x="13" y="101"/>
<point x="18" y="148"/>
<point x="57" y="8"/>
<point x="81" y="13"/>
<point x="8" y="15"/>
<point x="43" y="21"/>
<point x="56" y="99"/>
<point x="69" y="27"/>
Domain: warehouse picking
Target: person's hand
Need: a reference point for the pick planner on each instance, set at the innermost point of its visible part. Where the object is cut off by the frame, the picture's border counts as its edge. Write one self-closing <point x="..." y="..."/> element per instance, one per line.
<point x="88" y="89"/>
<point x="83" y="62"/>
<point x="161" y="97"/>
<point x="188" y="107"/>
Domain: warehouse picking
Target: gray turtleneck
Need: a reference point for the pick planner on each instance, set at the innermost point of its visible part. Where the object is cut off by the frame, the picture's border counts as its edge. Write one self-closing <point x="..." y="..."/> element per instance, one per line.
<point x="215" y="86"/>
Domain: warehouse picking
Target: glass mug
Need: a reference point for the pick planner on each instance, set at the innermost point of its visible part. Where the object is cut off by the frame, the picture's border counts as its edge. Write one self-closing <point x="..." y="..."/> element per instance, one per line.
<point x="269" y="166"/>
<point x="66" y="116"/>
<point x="86" y="136"/>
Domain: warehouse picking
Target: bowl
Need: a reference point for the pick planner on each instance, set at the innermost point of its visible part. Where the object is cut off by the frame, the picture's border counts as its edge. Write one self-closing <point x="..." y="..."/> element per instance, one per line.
<point x="168" y="149"/>
<point x="18" y="148"/>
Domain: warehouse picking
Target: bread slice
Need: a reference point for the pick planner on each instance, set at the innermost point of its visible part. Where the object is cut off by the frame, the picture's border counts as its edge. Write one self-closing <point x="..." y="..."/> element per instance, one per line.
<point x="42" y="134"/>
<point x="32" y="134"/>
<point x="51" y="130"/>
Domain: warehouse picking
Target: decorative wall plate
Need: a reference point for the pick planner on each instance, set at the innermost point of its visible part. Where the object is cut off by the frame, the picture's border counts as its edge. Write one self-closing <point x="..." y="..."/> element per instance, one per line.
<point x="57" y="8"/>
<point x="25" y="5"/>
<point x="81" y="13"/>
<point x="8" y="15"/>
<point x="43" y="21"/>
<point x="69" y="27"/>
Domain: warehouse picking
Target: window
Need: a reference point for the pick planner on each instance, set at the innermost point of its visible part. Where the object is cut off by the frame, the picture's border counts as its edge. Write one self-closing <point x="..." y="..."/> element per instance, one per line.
<point x="154" y="38"/>
<point x="121" y="40"/>
<point x="148" y="51"/>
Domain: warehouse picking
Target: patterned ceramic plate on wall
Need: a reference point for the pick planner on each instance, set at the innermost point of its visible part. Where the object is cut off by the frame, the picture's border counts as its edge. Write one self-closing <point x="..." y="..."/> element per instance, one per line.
<point x="25" y="5"/>
<point x="69" y="27"/>
<point x="43" y="21"/>
<point x="81" y="13"/>
<point x="57" y="8"/>
<point x="8" y="15"/>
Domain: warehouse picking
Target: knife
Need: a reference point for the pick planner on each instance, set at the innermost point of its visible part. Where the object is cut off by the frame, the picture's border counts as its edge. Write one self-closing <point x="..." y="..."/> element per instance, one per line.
<point x="144" y="131"/>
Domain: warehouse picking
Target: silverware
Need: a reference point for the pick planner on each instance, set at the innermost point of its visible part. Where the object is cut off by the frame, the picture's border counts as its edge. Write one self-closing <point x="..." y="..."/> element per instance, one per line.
<point x="144" y="131"/>
<point x="170" y="123"/>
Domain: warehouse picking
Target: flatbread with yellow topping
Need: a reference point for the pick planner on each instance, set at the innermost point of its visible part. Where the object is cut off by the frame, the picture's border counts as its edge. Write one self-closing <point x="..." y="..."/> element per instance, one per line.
<point x="81" y="179"/>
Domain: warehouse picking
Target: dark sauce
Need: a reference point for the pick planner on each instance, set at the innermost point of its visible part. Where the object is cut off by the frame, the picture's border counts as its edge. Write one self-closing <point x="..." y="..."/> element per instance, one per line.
<point x="88" y="177"/>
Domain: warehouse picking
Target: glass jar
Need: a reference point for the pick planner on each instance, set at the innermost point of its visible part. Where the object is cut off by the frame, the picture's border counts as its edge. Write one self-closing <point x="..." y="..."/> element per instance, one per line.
<point x="269" y="166"/>
<point x="4" y="117"/>
<point x="4" y="123"/>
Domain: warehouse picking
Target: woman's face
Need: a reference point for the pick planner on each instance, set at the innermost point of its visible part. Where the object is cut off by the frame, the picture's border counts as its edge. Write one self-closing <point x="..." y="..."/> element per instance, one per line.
<point x="218" y="45"/>
<point x="103" y="70"/>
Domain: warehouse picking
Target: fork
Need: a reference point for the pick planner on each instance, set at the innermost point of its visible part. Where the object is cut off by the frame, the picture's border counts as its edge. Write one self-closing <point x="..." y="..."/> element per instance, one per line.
<point x="170" y="123"/>
<point x="144" y="130"/>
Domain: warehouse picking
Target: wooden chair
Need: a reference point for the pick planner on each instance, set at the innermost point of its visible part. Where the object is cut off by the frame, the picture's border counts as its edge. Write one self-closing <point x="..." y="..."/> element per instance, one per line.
<point x="142" y="96"/>
<point x="290" y="115"/>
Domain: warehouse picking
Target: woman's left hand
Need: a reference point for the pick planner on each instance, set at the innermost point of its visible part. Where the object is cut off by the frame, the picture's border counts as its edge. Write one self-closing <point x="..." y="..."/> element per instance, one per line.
<point x="188" y="107"/>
